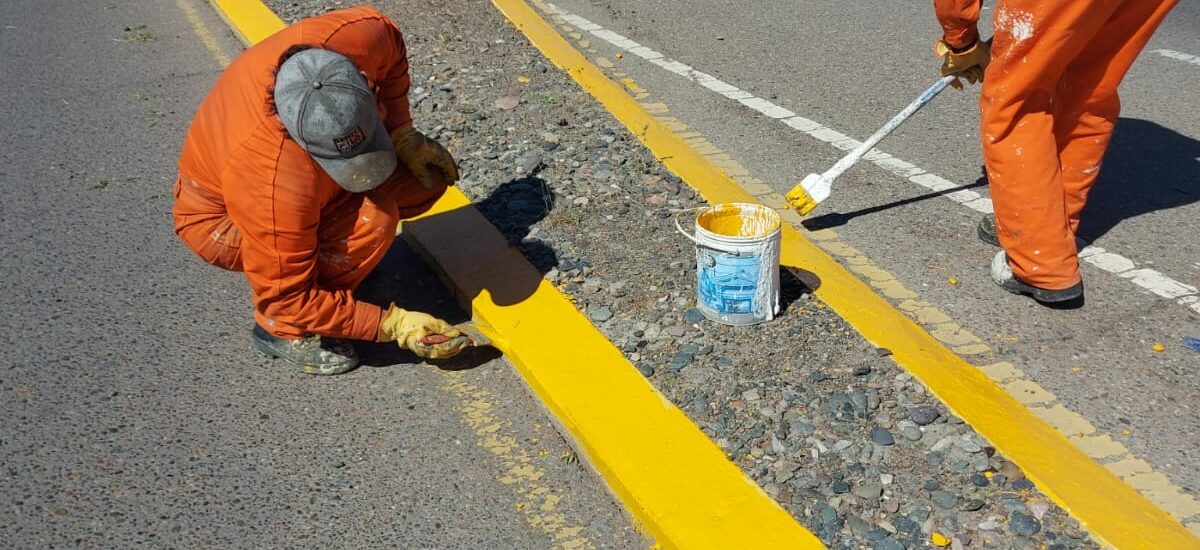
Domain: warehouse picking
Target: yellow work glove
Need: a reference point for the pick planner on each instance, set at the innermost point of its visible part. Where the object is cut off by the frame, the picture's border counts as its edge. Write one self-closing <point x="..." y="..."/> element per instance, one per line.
<point x="421" y="333"/>
<point x="966" y="64"/>
<point x="418" y="153"/>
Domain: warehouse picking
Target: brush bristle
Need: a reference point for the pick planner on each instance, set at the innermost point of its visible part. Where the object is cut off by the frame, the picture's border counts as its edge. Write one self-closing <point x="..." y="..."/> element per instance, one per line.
<point x="800" y="200"/>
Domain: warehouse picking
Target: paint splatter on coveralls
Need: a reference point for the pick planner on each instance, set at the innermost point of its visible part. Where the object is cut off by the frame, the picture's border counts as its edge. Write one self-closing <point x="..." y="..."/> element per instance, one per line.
<point x="250" y="199"/>
<point x="1048" y="106"/>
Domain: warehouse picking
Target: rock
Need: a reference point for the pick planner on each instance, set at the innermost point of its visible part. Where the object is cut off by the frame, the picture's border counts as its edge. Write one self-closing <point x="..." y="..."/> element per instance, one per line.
<point x="841" y="407"/>
<point x="751" y="395"/>
<point x="679" y="361"/>
<point x="1038" y="508"/>
<point x="979" y="480"/>
<point x="891" y="506"/>
<point x="889" y="544"/>
<point x="923" y="415"/>
<point x="944" y="499"/>
<point x="992" y="523"/>
<point x="600" y="314"/>
<point x="862" y="370"/>
<point x="932" y="485"/>
<point x="882" y="437"/>
<point x="693" y="316"/>
<point x="531" y="163"/>
<point x="906" y="525"/>
<point x="506" y="102"/>
<point x="1011" y="471"/>
<point x="886" y="479"/>
<point x="911" y="432"/>
<point x="646" y="369"/>
<point x="869" y="491"/>
<point x="858" y="526"/>
<point x="1023" y="524"/>
<point x="860" y="401"/>
<point x="972" y="505"/>
<point x="1022" y="485"/>
<point x="839" y="487"/>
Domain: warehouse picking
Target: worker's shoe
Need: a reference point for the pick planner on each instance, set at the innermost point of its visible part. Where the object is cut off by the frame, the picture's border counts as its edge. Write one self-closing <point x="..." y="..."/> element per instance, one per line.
<point x="314" y="354"/>
<point x="987" y="230"/>
<point x="1003" y="276"/>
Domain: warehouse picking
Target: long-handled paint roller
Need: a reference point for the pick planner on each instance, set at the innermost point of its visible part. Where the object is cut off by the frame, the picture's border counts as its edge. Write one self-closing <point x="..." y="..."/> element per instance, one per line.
<point x="815" y="188"/>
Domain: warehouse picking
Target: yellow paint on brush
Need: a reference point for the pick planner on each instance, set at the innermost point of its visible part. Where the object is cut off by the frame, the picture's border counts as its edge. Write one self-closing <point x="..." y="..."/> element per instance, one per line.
<point x="800" y="201"/>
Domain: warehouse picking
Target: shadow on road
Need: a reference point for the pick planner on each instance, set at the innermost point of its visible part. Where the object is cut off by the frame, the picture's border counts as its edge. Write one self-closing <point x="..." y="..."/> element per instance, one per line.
<point x="1147" y="168"/>
<point x="837" y="219"/>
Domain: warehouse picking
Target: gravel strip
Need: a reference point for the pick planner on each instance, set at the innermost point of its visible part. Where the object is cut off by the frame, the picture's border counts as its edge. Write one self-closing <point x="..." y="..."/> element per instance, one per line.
<point x="827" y="424"/>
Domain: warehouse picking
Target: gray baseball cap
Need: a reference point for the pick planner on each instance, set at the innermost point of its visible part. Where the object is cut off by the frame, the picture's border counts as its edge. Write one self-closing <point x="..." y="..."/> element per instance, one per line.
<point x="327" y="107"/>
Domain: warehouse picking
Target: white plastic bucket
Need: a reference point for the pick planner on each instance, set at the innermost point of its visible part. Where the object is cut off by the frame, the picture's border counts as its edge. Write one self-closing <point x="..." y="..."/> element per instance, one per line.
<point x="737" y="262"/>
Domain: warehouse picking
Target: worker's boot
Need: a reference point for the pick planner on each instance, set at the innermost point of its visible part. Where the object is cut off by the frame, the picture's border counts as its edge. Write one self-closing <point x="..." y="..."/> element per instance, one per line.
<point x="314" y="354"/>
<point x="1003" y="276"/>
<point x="987" y="230"/>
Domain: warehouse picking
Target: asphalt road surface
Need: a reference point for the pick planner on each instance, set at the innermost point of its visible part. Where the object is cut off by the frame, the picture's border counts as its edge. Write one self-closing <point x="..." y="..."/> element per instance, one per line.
<point x="132" y="409"/>
<point x="850" y="66"/>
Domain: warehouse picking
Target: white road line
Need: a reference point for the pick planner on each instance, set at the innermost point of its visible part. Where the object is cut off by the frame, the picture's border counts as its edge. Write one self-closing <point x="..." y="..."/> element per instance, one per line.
<point x="1146" y="278"/>
<point x="1184" y="57"/>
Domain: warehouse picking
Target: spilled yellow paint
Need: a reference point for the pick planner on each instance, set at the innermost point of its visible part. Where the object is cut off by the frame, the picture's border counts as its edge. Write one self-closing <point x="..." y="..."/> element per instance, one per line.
<point x="537" y="501"/>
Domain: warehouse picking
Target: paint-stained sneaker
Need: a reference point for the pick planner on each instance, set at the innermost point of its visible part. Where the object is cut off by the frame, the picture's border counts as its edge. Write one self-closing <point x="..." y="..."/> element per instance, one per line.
<point x="987" y="230"/>
<point x="1003" y="276"/>
<point x="314" y="354"/>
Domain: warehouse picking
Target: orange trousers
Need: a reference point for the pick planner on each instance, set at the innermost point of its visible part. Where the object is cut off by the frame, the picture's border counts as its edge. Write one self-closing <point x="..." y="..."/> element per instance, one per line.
<point x="1048" y="106"/>
<point x="354" y="234"/>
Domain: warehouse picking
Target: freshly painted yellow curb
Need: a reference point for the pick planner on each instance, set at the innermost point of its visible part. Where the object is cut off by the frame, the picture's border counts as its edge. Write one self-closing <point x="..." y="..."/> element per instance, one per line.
<point x="669" y="475"/>
<point x="1112" y="510"/>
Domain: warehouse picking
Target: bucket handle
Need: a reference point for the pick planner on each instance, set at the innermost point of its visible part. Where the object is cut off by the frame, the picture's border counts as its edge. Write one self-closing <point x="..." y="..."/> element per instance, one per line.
<point x="693" y="238"/>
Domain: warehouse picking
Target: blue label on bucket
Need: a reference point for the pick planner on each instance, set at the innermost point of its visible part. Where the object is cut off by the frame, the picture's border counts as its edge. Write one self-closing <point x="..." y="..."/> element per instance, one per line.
<point x="727" y="284"/>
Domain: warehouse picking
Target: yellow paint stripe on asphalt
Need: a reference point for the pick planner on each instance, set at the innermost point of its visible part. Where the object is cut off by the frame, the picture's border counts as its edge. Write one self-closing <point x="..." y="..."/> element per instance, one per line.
<point x="1114" y="512"/>
<point x="669" y="475"/>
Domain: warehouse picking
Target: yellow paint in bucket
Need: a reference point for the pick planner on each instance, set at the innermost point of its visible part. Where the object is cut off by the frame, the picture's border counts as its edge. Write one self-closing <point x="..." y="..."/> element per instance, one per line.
<point x="732" y="220"/>
<point x="737" y="262"/>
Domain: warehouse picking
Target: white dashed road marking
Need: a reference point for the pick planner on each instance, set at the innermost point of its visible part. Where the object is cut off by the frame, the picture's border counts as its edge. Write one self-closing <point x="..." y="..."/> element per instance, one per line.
<point x="1146" y="278"/>
<point x="1185" y="57"/>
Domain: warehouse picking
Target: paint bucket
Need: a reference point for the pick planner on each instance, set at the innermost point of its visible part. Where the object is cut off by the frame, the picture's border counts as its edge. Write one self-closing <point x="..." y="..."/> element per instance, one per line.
<point x="737" y="262"/>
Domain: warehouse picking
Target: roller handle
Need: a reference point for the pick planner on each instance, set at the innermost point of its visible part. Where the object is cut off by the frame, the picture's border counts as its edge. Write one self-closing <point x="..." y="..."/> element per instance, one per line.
<point x="853" y="156"/>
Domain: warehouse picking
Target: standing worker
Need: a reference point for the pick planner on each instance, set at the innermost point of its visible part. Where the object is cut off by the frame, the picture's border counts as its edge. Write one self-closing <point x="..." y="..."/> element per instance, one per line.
<point x="1048" y="107"/>
<point x="289" y="174"/>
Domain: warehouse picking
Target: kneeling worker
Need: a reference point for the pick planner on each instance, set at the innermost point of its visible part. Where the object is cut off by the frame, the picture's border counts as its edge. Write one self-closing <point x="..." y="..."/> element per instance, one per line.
<point x="296" y="170"/>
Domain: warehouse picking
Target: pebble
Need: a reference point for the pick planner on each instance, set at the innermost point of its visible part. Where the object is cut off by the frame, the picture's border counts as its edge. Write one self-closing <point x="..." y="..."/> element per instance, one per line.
<point x="882" y="437"/>
<point x="891" y="506"/>
<point x="889" y="544"/>
<point x="1022" y="485"/>
<point x="679" y="361"/>
<point x="693" y="316"/>
<point x="944" y="499"/>
<point x="600" y="314"/>
<point x="979" y="480"/>
<point x="923" y="415"/>
<point x="862" y="370"/>
<point x="840" y="487"/>
<point x="1023" y="524"/>
<point x="869" y="491"/>
<point x="911" y="432"/>
<point x="751" y="395"/>
<point x="972" y="505"/>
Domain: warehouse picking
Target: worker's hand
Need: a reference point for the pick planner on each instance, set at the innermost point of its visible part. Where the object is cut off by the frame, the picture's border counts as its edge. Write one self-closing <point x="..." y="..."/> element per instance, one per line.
<point x="421" y="333"/>
<point x="419" y="153"/>
<point x="968" y="63"/>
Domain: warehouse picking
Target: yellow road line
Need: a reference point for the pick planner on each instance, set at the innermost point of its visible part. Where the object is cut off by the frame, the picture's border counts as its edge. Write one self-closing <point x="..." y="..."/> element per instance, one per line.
<point x="203" y="33"/>
<point x="1114" y="512"/>
<point x="669" y="475"/>
<point x="1175" y="501"/>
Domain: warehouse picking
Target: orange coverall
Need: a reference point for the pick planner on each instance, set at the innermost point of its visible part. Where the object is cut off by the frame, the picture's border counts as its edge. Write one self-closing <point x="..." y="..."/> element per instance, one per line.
<point x="1048" y="106"/>
<point x="250" y="199"/>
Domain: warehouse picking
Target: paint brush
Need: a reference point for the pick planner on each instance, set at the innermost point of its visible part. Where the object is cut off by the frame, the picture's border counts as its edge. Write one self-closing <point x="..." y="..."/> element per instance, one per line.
<point x="815" y="188"/>
<point x="476" y="332"/>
